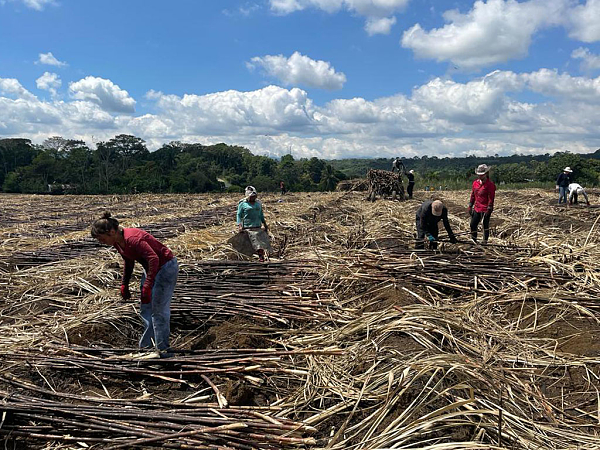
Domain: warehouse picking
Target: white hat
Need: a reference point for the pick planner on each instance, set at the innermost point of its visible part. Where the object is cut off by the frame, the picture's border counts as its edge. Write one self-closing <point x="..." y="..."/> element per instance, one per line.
<point x="567" y="169"/>
<point x="437" y="207"/>
<point x="482" y="169"/>
<point x="411" y="171"/>
<point x="250" y="190"/>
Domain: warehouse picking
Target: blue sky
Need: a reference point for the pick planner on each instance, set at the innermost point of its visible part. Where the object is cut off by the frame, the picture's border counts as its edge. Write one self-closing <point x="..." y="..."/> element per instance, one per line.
<point x="326" y="78"/>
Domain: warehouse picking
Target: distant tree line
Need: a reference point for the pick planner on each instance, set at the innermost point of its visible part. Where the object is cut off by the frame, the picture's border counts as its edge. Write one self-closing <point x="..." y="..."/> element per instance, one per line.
<point x="123" y="164"/>
<point x="511" y="170"/>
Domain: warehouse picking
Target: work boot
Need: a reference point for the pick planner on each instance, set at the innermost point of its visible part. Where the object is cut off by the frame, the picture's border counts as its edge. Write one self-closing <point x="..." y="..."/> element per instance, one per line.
<point x="486" y="236"/>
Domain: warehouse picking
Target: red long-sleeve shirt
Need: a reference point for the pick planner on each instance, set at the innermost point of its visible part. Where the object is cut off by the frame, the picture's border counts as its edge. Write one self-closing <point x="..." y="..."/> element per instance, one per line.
<point x="144" y="248"/>
<point x="482" y="195"/>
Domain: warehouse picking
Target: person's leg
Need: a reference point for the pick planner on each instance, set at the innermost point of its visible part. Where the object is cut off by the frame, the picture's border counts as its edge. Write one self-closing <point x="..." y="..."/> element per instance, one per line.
<point x="435" y="232"/>
<point x="162" y="293"/>
<point x="562" y="195"/>
<point x="575" y="197"/>
<point x="420" y="243"/>
<point x="587" y="200"/>
<point x="409" y="189"/>
<point x="486" y="227"/>
<point x="146" y="341"/>
<point x="475" y="218"/>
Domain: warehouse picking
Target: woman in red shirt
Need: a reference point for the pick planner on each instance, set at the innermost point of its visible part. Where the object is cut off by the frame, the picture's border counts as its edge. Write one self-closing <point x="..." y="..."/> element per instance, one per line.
<point x="481" y="204"/>
<point x="158" y="281"/>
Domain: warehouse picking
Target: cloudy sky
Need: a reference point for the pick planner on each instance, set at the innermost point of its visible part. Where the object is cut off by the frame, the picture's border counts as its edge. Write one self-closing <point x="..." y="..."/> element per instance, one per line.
<point x="325" y="78"/>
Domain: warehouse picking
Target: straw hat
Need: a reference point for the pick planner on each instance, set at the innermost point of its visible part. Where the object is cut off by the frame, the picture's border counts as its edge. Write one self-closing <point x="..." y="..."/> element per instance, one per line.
<point x="437" y="207"/>
<point x="567" y="169"/>
<point x="482" y="169"/>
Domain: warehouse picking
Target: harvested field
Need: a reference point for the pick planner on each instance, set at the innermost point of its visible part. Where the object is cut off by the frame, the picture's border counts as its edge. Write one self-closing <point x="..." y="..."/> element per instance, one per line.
<point x="346" y="338"/>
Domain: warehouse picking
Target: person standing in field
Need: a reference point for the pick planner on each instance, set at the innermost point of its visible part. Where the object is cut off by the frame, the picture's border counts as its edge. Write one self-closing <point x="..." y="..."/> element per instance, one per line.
<point x="397" y="164"/>
<point x="481" y="203"/>
<point x="427" y="219"/>
<point x="158" y="282"/>
<point x="282" y="187"/>
<point x="562" y="184"/>
<point x="411" y="183"/>
<point x="574" y="190"/>
<point x="250" y="218"/>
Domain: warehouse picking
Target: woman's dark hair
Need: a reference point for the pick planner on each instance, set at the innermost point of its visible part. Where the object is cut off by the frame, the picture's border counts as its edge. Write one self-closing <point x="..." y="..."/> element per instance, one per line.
<point x="104" y="225"/>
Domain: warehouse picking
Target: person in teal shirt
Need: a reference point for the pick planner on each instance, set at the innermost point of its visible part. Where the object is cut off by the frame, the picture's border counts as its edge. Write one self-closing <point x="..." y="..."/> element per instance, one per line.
<point x="250" y="218"/>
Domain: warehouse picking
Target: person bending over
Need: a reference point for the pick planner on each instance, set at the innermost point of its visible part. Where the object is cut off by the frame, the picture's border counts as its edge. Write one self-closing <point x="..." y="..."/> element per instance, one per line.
<point x="158" y="282"/>
<point x="427" y="219"/>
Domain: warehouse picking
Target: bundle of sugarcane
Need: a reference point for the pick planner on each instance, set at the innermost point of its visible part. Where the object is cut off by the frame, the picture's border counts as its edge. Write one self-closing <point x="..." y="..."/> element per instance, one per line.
<point x="69" y="250"/>
<point x="114" y="423"/>
<point x="185" y="367"/>
<point x="356" y="184"/>
<point x="276" y="291"/>
<point x="453" y="273"/>
<point x="384" y="182"/>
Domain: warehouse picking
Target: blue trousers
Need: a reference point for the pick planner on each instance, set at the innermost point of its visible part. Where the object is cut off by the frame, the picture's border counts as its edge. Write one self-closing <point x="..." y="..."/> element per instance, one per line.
<point x="156" y="315"/>
<point x="562" y="195"/>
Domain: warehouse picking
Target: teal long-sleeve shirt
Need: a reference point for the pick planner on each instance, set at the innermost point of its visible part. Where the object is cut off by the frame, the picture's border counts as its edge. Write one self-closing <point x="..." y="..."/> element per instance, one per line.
<point x="250" y="215"/>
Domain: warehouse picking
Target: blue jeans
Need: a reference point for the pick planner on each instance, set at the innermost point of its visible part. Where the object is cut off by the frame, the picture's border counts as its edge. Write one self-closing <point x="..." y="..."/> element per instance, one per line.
<point x="156" y="315"/>
<point x="562" y="195"/>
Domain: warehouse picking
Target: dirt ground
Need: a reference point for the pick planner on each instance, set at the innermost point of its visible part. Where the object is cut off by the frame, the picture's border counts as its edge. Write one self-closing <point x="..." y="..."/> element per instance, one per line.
<point x="347" y="328"/>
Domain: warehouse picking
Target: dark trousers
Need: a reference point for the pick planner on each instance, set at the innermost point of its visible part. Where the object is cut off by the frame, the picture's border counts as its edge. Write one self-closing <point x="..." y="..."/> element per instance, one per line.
<point x="409" y="188"/>
<point x="475" y="219"/>
<point x="421" y="231"/>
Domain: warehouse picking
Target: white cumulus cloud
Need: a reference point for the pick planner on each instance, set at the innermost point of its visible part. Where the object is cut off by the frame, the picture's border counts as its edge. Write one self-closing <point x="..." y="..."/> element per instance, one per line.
<point x="379" y="26"/>
<point x="299" y="69"/>
<point x="574" y="89"/>
<point x="49" y="59"/>
<point x="491" y="32"/>
<point x="49" y="82"/>
<point x="12" y="87"/>
<point x="260" y="111"/>
<point x="378" y="12"/>
<point x="104" y="93"/>
<point x="589" y="61"/>
<point x="584" y="21"/>
<point x="440" y="117"/>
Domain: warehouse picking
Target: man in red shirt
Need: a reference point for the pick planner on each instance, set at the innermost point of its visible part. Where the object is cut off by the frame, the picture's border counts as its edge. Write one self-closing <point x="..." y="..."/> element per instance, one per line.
<point x="481" y="204"/>
<point x="158" y="281"/>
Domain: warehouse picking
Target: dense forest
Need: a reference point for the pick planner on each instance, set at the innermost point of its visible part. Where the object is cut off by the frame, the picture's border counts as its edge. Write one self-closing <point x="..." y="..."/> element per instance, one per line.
<point x="123" y="164"/>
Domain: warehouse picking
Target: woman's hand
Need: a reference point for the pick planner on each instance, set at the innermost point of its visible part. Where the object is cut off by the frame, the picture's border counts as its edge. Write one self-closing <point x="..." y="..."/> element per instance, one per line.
<point x="125" y="292"/>
<point x="146" y="294"/>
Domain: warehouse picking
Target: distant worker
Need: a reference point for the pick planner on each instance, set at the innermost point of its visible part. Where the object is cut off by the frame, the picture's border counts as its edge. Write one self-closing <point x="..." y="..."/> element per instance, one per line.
<point x="427" y="219"/>
<point x="481" y="203"/>
<point x="250" y="217"/>
<point x="158" y="280"/>
<point x="397" y="164"/>
<point x="562" y="183"/>
<point x="411" y="183"/>
<point x="282" y="187"/>
<point x="574" y="190"/>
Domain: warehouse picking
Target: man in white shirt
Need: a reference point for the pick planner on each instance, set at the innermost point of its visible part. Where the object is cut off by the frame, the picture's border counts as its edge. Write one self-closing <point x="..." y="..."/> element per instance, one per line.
<point x="575" y="189"/>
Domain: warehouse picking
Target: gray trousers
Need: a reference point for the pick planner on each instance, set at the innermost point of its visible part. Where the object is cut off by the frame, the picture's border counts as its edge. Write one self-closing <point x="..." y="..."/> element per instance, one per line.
<point x="156" y="315"/>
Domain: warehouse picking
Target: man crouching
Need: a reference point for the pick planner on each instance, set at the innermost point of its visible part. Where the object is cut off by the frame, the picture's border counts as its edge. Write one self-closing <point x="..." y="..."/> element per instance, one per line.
<point x="428" y="216"/>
